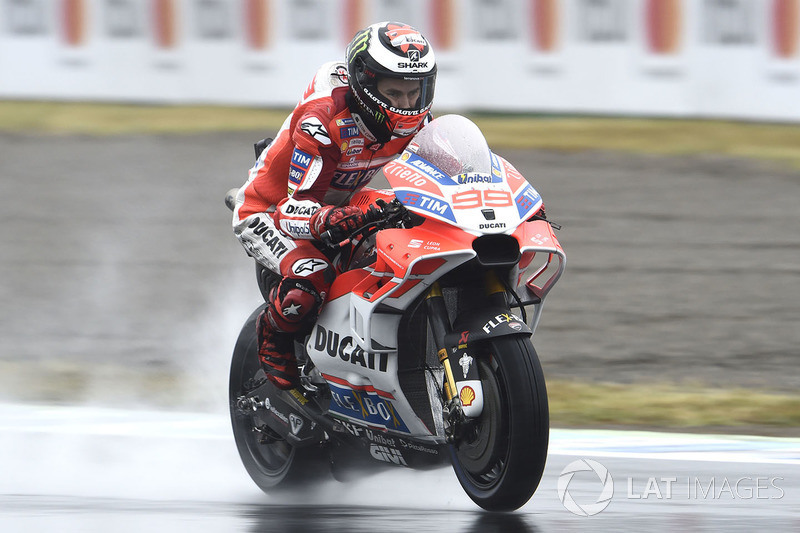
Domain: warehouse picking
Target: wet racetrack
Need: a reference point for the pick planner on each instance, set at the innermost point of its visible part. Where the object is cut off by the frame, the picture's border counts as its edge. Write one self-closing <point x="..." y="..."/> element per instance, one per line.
<point x="124" y="287"/>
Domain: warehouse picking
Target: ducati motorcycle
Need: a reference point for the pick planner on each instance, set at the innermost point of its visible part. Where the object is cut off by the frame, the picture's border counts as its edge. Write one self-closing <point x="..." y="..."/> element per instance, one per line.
<point x="422" y="355"/>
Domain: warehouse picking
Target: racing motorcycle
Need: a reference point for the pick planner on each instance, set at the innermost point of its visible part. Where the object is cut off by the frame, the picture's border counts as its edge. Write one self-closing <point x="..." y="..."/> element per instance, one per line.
<point x="422" y="355"/>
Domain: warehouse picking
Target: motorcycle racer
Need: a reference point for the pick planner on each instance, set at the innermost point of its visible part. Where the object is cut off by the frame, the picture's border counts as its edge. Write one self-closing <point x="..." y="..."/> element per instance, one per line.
<point x="354" y="117"/>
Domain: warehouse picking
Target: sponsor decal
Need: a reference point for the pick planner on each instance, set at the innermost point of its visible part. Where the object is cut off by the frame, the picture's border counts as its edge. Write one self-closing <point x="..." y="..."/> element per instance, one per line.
<point x="340" y="75"/>
<point x="306" y="267"/>
<point x="527" y="200"/>
<point x="348" y="427"/>
<point x="465" y="363"/>
<point x="354" y="151"/>
<point x="412" y="65"/>
<point x="354" y="179"/>
<point x="345" y="121"/>
<point x="299" y="210"/>
<point x="296" y="176"/>
<point x="467" y="395"/>
<point x="359" y="44"/>
<point x="503" y="318"/>
<point x="417" y="447"/>
<point x="405" y="38"/>
<point x="386" y="454"/>
<point x="497" y="170"/>
<point x="270" y="236"/>
<point x="428" y="169"/>
<point x="295" y="423"/>
<point x="348" y="351"/>
<point x="474" y="177"/>
<point x="435" y="206"/>
<point x="464" y="338"/>
<point x="292" y="310"/>
<point x="516" y="326"/>
<point x="295" y="229"/>
<point x="348" y="131"/>
<point x="492" y="225"/>
<point x="313" y="127"/>
<point x="277" y="414"/>
<point x="297" y="395"/>
<point x="365" y="406"/>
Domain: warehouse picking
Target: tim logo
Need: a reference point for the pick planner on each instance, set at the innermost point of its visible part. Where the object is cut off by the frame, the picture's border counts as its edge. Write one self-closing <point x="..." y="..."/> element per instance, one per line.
<point x="386" y="454"/>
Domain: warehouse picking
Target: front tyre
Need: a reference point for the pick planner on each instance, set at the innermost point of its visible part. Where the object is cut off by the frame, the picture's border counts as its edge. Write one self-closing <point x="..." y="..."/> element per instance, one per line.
<point x="501" y="463"/>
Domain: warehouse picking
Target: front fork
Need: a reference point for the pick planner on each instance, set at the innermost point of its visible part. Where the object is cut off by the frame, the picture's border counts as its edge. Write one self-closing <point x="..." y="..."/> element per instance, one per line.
<point x="462" y="390"/>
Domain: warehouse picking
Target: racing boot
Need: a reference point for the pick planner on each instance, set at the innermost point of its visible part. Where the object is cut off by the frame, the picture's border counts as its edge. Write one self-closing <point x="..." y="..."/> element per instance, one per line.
<point x="276" y="353"/>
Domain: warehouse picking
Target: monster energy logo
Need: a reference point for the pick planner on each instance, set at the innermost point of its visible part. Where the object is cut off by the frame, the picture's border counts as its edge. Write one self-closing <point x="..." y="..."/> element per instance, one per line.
<point x="359" y="44"/>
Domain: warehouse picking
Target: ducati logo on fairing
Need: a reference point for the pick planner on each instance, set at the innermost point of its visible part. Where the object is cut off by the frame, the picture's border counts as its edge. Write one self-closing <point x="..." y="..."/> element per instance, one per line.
<point x="347" y="350"/>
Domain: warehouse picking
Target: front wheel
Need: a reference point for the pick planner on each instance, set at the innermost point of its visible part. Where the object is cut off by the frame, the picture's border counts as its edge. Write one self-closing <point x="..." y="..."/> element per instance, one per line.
<point x="501" y="463"/>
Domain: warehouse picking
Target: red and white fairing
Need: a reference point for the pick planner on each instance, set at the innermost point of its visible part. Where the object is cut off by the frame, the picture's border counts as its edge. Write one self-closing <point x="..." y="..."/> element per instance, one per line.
<point x="449" y="176"/>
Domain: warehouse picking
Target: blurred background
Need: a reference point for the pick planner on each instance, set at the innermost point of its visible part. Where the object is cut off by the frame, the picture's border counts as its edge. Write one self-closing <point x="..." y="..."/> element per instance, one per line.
<point x="707" y="58"/>
<point x="661" y="133"/>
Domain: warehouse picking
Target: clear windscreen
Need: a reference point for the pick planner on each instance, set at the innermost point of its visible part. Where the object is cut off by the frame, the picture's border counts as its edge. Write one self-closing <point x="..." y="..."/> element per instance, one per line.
<point x="455" y="145"/>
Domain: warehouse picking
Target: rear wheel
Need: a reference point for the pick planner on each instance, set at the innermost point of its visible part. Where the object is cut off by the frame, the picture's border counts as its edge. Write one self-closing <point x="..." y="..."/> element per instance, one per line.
<point x="501" y="462"/>
<point x="269" y="461"/>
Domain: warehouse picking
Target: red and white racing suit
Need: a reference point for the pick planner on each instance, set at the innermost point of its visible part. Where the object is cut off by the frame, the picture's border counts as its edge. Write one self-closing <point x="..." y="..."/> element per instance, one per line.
<point x="319" y="157"/>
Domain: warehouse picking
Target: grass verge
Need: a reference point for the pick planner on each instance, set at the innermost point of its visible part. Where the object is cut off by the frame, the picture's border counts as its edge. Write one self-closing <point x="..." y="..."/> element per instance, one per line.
<point x="674" y="407"/>
<point x="572" y="404"/>
<point x="774" y="142"/>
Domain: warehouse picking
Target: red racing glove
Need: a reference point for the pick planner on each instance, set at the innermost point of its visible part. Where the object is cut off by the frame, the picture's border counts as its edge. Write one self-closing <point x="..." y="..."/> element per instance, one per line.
<point x="338" y="222"/>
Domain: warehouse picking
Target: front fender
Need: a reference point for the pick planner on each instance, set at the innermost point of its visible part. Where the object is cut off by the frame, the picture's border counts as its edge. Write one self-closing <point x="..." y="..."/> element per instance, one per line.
<point x="487" y="323"/>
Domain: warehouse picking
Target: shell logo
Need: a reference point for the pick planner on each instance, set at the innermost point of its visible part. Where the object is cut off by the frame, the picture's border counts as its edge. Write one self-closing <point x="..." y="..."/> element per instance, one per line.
<point x="73" y="22"/>
<point x="784" y="25"/>
<point x="663" y="25"/>
<point x="256" y="15"/>
<point x="467" y="396"/>
<point x="545" y="24"/>
<point x="165" y="20"/>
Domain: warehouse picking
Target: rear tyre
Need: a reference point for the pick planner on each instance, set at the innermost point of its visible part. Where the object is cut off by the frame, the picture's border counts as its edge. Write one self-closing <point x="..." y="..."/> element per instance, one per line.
<point x="272" y="463"/>
<point x="501" y="463"/>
